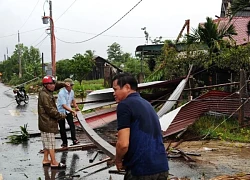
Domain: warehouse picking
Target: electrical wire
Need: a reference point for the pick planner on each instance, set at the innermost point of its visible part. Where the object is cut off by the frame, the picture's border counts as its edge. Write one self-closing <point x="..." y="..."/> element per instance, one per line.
<point x="21" y="32"/>
<point x="41" y="41"/>
<point x="105" y="29"/>
<point x="29" y="15"/>
<point x="65" y="11"/>
<point x="225" y="119"/>
<point x="102" y="35"/>
<point x="38" y="38"/>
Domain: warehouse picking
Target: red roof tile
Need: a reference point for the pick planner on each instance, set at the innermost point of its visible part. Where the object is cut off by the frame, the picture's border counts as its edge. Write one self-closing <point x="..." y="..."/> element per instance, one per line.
<point x="240" y="24"/>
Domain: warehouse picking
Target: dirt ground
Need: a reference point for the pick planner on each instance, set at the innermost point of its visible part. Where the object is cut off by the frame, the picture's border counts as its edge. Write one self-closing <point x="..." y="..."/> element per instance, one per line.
<point x="227" y="160"/>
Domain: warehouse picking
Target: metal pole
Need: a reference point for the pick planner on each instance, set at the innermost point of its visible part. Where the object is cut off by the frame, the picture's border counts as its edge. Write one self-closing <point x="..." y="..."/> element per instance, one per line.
<point x="19" y="57"/>
<point x="42" y="66"/>
<point x="52" y="39"/>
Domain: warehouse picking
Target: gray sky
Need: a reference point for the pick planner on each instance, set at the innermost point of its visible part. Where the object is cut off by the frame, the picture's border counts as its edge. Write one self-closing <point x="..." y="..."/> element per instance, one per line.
<point x="78" y="20"/>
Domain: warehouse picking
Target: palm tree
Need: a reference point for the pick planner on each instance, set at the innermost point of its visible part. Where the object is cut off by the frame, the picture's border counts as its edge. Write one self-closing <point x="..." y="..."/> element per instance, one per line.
<point x="212" y="34"/>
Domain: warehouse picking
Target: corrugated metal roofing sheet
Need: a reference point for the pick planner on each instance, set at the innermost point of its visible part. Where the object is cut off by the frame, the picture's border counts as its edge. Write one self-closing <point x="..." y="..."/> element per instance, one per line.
<point x="216" y="101"/>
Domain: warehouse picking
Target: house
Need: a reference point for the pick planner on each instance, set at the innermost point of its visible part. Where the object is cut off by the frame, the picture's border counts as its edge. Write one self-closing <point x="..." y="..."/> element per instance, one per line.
<point x="225" y="10"/>
<point x="241" y="27"/>
<point x="103" y="69"/>
<point x="241" y="22"/>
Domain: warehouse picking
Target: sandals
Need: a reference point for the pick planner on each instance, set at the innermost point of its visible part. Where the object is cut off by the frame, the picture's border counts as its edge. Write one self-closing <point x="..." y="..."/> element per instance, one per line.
<point x="46" y="164"/>
<point x="75" y="142"/>
<point x="59" y="166"/>
<point x="64" y="145"/>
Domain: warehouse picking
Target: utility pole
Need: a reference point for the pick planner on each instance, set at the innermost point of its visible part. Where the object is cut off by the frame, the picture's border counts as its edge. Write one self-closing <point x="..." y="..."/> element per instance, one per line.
<point x="52" y="39"/>
<point x="19" y="57"/>
<point x="7" y="53"/>
<point x="42" y="66"/>
<point x="243" y="96"/>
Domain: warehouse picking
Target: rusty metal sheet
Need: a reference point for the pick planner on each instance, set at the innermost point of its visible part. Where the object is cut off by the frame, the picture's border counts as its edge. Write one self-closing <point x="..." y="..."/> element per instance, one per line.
<point x="216" y="101"/>
<point x="107" y="148"/>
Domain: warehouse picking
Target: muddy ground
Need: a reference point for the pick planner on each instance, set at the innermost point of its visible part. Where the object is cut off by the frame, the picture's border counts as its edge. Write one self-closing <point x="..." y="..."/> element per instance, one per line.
<point x="218" y="157"/>
<point x="211" y="158"/>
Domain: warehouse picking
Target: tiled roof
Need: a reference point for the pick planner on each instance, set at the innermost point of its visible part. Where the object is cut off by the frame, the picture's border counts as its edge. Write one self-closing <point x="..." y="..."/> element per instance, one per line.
<point x="240" y="24"/>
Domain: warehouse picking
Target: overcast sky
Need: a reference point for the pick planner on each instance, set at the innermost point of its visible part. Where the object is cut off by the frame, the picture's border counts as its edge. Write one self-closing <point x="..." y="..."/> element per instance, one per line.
<point x="78" y="20"/>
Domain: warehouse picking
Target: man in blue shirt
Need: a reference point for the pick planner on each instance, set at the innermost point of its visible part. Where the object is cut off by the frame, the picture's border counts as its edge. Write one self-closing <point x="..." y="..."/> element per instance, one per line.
<point x="64" y="101"/>
<point x="139" y="148"/>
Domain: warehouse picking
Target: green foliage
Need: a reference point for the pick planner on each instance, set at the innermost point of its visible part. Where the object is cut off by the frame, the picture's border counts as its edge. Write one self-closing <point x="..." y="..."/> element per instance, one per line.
<point x="169" y="65"/>
<point x="114" y="52"/>
<point x="64" y="69"/>
<point x="82" y="65"/>
<point x="234" y="58"/>
<point x="228" y="130"/>
<point x="132" y="65"/>
<point x="30" y="61"/>
<point x="18" y="139"/>
<point x="80" y="89"/>
<point x="212" y="35"/>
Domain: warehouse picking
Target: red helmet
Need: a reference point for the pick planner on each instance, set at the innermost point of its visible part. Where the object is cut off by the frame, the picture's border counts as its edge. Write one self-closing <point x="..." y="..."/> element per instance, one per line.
<point x="49" y="80"/>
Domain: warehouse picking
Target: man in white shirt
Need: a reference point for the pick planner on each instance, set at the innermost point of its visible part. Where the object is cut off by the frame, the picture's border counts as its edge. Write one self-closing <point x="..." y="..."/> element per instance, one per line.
<point x="64" y="101"/>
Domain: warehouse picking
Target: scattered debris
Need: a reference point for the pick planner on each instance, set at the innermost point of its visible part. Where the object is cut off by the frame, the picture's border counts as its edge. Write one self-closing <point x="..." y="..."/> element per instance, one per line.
<point x="208" y="149"/>
<point x="18" y="139"/>
<point x="117" y="172"/>
<point x="184" y="155"/>
<point x="93" y="156"/>
<point x="229" y="177"/>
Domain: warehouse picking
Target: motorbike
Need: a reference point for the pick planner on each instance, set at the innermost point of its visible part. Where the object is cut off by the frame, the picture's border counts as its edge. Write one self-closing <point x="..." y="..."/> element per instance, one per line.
<point x="20" y="95"/>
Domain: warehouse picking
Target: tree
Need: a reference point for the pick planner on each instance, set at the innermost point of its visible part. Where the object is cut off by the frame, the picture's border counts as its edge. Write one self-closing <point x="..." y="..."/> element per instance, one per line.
<point x="82" y="65"/>
<point x="114" y="52"/>
<point x="89" y="54"/>
<point x="31" y="60"/>
<point x="212" y="35"/>
<point x="64" y="69"/>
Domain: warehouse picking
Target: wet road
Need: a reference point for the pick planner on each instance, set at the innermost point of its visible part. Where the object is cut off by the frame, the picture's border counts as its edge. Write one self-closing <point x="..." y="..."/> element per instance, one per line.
<point x="25" y="162"/>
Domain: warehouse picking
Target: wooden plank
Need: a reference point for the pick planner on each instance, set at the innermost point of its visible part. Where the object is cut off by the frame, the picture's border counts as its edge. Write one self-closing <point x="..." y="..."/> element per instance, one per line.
<point x="93" y="156"/>
<point x="76" y="147"/>
<point x="107" y="148"/>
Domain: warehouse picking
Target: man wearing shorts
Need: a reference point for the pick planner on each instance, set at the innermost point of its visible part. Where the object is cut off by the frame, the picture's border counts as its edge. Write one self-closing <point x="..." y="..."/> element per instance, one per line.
<point x="48" y="117"/>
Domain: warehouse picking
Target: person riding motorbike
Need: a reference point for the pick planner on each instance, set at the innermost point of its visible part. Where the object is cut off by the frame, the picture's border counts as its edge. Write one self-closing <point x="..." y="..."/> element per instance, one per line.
<point x="22" y="91"/>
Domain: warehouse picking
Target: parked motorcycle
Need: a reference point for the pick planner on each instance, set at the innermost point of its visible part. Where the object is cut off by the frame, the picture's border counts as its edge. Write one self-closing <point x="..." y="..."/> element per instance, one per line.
<point x="20" y="95"/>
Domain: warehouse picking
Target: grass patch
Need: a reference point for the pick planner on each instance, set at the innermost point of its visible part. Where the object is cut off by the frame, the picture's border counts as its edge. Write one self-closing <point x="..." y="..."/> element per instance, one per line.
<point x="228" y="130"/>
<point x="80" y="90"/>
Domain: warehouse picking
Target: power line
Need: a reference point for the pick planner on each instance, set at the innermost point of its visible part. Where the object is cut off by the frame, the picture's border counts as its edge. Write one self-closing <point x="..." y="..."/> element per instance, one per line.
<point x="21" y="32"/>
<point x="38" y="38"/>
<point x="41" y="41"/>
<point x="102" y="35"/>
<point x="105" y="29"/>
<point x="29" y="15"/>
<point x="65" y="11"/>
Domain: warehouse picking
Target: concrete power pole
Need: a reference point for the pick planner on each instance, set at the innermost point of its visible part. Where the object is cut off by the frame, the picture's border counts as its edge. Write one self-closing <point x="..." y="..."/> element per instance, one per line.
<point x="19" y="57"/>
<point x="52" y="39"/>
